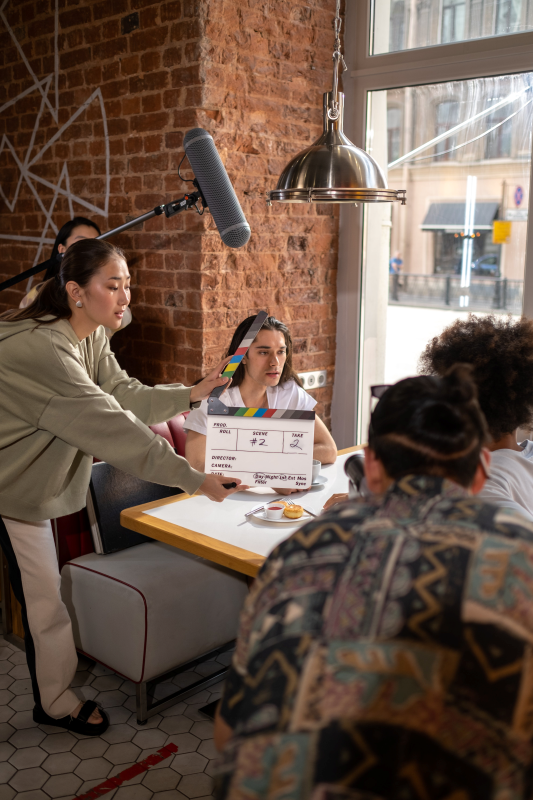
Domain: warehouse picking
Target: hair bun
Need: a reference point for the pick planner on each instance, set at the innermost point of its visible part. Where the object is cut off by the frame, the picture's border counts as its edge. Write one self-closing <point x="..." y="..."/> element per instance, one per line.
<point x="459" y="385"/>
<point x="440" y="425"/>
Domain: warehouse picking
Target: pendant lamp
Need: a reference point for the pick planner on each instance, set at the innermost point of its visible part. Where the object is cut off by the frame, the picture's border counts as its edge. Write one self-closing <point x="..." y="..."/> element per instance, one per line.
<point x="333" y="170"/>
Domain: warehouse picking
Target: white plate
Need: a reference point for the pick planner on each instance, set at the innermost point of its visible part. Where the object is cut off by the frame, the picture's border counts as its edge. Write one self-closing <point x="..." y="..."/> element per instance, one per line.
<point x="320" y="481"/>
<point x="284" y="520"/>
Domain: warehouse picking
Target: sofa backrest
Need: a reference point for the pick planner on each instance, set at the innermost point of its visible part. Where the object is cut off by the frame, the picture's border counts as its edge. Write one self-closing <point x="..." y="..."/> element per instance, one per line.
<point x="73" y="532"/>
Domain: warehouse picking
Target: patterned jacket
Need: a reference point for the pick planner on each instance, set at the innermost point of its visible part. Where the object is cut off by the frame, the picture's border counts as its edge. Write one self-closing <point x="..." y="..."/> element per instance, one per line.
<point x="385" y="651"/>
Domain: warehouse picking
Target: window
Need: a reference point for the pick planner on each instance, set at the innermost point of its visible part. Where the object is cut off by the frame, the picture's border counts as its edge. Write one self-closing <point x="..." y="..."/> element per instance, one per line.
<point x="451" y="261"/>
<point x="453" y="20"/>
<point x="461" y="147"/>
<point x="446" y="118"/>
<point x="394" y="132"/>
<point x="434" y="22"/>
<point x="499" y="130"/>
<point x="508" y="16"/>
<point x="397" y="26"/>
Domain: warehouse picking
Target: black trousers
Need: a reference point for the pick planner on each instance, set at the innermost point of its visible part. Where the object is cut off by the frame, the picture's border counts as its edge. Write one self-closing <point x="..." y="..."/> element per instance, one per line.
<point x="16" y="583"/>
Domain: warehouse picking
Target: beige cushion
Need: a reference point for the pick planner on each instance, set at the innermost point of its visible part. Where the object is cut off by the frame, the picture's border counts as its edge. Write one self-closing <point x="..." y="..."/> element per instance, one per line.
<point x="148" y="609"/>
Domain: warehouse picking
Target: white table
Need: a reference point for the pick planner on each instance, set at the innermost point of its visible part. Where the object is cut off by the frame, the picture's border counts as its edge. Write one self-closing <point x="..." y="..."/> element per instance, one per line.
<point x="219" y="531"/>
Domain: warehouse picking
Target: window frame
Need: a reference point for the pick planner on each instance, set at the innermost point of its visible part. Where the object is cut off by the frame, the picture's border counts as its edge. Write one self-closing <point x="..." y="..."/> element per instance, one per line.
<point x="470" y="59"/>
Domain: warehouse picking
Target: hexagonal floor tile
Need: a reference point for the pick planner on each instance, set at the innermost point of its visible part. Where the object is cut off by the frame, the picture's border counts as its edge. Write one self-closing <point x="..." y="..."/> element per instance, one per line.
<point x="7" y="792"/>
<point x="204" y="730"/>
<point x="6" y="681"/>
<point x="27" y="738"/>
<point x="172" y="795"/>
<point x="117" y="734"/>
<point x="17" y="657"/>
<point x="28" y="757"/>
<point x="196" y="785"/>
<point x="93" y="768"/>
<point x="118" y="768"/>
<point x="6" y="772"/>
<point x="150" y="738"/>
<point x="59" y="763"/>
<point x="6" y="712"/>
<point x="34" y="794"/>
<point x="107" y="683"/>
<point x="159" y="780"/>
<point x="177" y="724"/>
<point x="186" y="742"/>
<point x="59" y="742"/>
<point x="189" y="763"/>
<point x="208" y="749"/>
<point x="6" y="695"/>
<point x="152" y="722"/>
<point x="122" y="753"/>
<point x="179" y="708"/>
<point x="22" y="720"/>
<point x="6" y="751"/>
<point x="133" y="793"/>
<point x="83" y="678"/>
<point x="62" y="785"/>
<point x="19" y="672"/>
<point x="21" y="687"/>
<point x="118" y="714"/>
<point x="110" y="699"/>
<point x="26" y="779"/>
<point x="22" y="702"/>
<point x="6" y="731"/>
<point x="90" y="747"/>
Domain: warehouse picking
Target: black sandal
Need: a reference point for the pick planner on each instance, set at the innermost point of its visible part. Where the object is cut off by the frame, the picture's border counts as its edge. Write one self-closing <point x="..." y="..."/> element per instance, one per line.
<point x="79" y="724"/>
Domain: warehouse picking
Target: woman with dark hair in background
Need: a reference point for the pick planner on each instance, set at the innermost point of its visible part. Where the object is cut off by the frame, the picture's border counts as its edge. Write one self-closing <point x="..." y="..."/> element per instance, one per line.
<point x="72" y="231"/>
<point x="265" y="378"/>
<point x="64" y="399"/>
<point x="500" y="352"/>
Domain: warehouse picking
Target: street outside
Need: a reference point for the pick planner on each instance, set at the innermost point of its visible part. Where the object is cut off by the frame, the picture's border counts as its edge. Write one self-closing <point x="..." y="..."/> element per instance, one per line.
<point x="409" y="329"/>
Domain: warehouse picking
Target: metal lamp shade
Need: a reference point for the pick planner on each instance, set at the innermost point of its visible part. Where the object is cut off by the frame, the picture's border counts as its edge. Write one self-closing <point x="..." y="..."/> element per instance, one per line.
<point x="333" y="170"/>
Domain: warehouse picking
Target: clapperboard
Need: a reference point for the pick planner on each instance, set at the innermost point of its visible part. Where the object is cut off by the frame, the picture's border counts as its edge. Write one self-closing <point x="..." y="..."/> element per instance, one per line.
<point x="261" y="446"/>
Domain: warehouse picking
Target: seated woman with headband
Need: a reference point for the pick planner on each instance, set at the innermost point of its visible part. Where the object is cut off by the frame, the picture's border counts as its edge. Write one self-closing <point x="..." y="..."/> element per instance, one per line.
<point x="264" y="379"/>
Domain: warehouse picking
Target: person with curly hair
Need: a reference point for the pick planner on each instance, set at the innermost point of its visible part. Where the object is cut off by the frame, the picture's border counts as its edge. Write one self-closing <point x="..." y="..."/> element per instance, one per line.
<point x="500" y="352"/>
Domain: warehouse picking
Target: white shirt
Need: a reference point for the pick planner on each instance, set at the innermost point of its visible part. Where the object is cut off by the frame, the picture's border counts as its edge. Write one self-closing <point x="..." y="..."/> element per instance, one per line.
<point x="511" y="479"/>
<point x="285" y="395"/>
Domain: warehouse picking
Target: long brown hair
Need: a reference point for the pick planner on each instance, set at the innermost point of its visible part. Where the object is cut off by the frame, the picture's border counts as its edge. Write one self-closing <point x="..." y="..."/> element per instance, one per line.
<point x="270" y="324"/>
<point x="80" y="263"/>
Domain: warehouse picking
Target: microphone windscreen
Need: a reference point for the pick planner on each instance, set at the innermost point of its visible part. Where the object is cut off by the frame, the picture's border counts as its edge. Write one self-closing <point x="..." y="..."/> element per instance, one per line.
<point x="216" y="187"/>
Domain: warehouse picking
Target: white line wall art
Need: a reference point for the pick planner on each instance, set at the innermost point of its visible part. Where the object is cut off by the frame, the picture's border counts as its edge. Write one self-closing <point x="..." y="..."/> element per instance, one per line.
<point x="27" y="165"/>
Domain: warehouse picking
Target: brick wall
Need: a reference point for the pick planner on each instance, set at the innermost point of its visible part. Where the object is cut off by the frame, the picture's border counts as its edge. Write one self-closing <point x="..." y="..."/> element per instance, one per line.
<point x="250" y="72"/>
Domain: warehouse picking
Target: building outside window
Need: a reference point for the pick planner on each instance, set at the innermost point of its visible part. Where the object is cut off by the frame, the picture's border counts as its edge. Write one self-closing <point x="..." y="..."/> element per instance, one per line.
<point x="447" y="114"/>
<point x="508" y="16"/>
<point x="499" y="131"/>
<point x="453" y="20"/>
<point x="394" y="132"/>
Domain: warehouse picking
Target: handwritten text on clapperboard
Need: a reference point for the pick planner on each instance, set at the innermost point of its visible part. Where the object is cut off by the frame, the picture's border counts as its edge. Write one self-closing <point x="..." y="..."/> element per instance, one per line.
<point x="261" y="452"/>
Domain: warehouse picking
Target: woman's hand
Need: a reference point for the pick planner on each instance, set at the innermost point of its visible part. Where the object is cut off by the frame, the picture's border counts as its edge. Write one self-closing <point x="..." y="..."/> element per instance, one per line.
<point x="210" y="382"/>
<point x="334" y="499"/>
<point x="212" y="487"/>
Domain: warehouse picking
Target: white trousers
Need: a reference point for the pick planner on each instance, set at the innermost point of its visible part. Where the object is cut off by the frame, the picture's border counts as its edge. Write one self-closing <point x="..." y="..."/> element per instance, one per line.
<point x="48" y="619"/>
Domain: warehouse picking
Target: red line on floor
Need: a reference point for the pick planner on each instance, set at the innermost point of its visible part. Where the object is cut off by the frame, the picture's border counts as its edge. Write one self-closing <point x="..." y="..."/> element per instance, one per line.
<point x="129" y="773"/>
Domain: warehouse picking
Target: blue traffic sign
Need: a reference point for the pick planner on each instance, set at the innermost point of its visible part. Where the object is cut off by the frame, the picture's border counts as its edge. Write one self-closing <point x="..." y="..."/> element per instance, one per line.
<point x="518" y="195"/>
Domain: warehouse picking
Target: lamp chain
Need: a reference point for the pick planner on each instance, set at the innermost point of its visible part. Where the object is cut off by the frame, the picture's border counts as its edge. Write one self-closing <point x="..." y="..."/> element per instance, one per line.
<point x="333" y="110"/>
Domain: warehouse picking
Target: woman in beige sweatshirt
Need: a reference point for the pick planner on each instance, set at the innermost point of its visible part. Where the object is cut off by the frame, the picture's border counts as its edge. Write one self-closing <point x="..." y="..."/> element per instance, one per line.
<point x="63" y="400"/>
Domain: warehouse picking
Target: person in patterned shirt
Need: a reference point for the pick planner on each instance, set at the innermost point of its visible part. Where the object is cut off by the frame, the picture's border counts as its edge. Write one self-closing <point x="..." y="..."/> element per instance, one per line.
<point x="386" y="648"/>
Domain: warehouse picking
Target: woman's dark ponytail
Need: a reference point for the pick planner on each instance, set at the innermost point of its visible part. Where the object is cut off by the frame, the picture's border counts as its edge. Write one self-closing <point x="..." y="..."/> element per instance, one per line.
<point x="80" y="263"/>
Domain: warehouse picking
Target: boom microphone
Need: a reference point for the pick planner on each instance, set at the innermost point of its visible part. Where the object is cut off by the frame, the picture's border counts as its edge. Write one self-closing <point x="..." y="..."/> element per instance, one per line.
<point x="216" y="187"/>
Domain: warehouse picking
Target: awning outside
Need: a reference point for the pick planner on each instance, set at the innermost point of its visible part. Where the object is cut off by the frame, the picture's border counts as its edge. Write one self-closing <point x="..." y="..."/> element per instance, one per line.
<point x="451" y="217"/>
